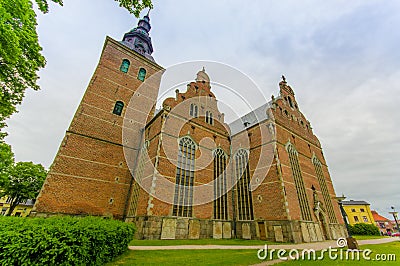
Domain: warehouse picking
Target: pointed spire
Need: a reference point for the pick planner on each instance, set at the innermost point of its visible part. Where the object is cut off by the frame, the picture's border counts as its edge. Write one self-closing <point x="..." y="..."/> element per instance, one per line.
<point x="138" y="39"/>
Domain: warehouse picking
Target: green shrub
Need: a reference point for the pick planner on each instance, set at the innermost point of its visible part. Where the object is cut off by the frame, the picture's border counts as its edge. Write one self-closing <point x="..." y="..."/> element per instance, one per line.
<point x="62" y="240"/>
<point x="364" y="229"/>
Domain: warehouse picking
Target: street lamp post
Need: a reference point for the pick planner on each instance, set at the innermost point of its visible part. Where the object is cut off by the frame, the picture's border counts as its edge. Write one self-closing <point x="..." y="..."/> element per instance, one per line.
<point x="394" y="213"/>
<point x="351" y="242"/>
<point x="344" y="215"/>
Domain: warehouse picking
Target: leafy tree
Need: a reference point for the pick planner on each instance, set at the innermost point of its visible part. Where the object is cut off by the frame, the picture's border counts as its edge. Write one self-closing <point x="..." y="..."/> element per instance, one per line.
<point x="6" y="161"/>
<point x="24" y="181"/>
<point x="135" y="6"/>
<point x="20" y="56"/>
<point x="20" y="52"/>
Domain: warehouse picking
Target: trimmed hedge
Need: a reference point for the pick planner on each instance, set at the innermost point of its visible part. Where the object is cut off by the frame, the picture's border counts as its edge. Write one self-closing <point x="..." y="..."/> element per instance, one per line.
<point x="62" y="240"/>
<point x="364" y="229"/>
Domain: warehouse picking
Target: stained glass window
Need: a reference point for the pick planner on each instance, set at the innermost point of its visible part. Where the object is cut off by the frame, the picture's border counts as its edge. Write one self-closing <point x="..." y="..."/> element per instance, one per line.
<point x="244" y="197"/>
<point x="299" y="183"/>
<point x="220" y="185"/>
<point x="183" y="197"/>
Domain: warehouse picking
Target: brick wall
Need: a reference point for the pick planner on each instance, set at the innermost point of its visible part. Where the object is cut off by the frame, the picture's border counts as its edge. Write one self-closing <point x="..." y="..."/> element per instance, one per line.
<point x="89" y="174"/>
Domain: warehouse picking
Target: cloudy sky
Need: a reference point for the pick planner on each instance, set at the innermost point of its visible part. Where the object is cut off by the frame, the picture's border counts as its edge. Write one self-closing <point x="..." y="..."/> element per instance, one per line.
<point x="341" y="58"/>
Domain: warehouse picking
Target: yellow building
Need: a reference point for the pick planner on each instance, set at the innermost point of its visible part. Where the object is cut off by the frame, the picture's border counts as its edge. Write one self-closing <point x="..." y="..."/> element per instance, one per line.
<point x="23" y="208"/>
<point x="358" y="211"/>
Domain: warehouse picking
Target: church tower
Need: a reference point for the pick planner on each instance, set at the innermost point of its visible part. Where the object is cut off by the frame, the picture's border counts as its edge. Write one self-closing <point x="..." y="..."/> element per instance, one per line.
<point x="89" y="174"/>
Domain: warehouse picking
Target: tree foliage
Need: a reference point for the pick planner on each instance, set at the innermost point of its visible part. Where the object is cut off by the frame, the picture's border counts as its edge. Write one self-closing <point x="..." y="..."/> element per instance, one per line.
<point x="20" y="181"/>
<point x="43" y="5"/>
<point x="20" y="52"/>
<point x="364" y="229"/>
<point x="6" y="161"/>
<point x="135" y="6"/>
<point x="20" y="56"/>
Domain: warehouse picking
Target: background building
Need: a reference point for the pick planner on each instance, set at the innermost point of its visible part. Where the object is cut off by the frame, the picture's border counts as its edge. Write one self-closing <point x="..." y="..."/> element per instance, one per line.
<point x="23" y="209"/>
<point x="384" y="224"/>
<point x="281" y="187"/>
<point x="358" y="212"/>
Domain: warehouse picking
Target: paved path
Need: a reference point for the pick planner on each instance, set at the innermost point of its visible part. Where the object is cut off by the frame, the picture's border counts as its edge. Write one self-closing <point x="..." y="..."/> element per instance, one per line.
<point x="314" y="245"/>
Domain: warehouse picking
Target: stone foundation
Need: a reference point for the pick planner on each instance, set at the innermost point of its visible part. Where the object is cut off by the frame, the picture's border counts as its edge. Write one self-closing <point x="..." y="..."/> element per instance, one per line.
<point x="153" y="227"/>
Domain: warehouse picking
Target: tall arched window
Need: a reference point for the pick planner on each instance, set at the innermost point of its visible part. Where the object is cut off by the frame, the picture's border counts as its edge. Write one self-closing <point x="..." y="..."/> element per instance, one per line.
<point x="141" y="74"/>
<point x="193" y="110"/>
<point x="324" y="190"/>
<point x="220" y="185"/>
<point x="183" y="197"/>
<point x="299" y="183"/>
<point x="125" y="65"/>
<point x="118" y="107"/>
<point x="244" y="197"/>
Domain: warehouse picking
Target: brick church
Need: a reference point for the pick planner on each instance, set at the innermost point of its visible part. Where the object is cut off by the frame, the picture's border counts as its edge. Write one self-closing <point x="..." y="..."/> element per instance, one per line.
<point x="181" y="172"/>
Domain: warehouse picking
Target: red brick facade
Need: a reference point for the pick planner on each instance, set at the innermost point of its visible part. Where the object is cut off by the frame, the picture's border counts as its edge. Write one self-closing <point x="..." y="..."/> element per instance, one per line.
<point x="91" y="172"/>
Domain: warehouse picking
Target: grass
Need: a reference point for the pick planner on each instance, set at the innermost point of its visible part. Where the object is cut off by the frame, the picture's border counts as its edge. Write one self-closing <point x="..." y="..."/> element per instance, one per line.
<point x="362" y="237"/>
<point x="187" y="257"/>
<point x="174" y="242"/>
<point x="240" y="257"/>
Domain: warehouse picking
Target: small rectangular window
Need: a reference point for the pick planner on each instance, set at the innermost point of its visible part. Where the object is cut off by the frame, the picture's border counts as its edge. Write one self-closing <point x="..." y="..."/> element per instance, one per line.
<point x="365" y="219"/>
<point x="362" y="210"/>
<point x="209" y="118"/>
<point x="125" y="66"/>
<point x="193" y="110"/>
<point x="356" y="219"/>
<point x="141" y="74"/>
<point x="353" y="210"/>
<point x="118" y="107"/>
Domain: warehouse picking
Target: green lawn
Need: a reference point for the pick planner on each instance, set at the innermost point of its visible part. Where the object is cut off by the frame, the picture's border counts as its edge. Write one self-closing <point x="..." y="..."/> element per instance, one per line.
<point x="360" y="237"/>
<point x="187" y="257"/>
<point x="240" y="257"/>
<point x="243" y="242"/>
